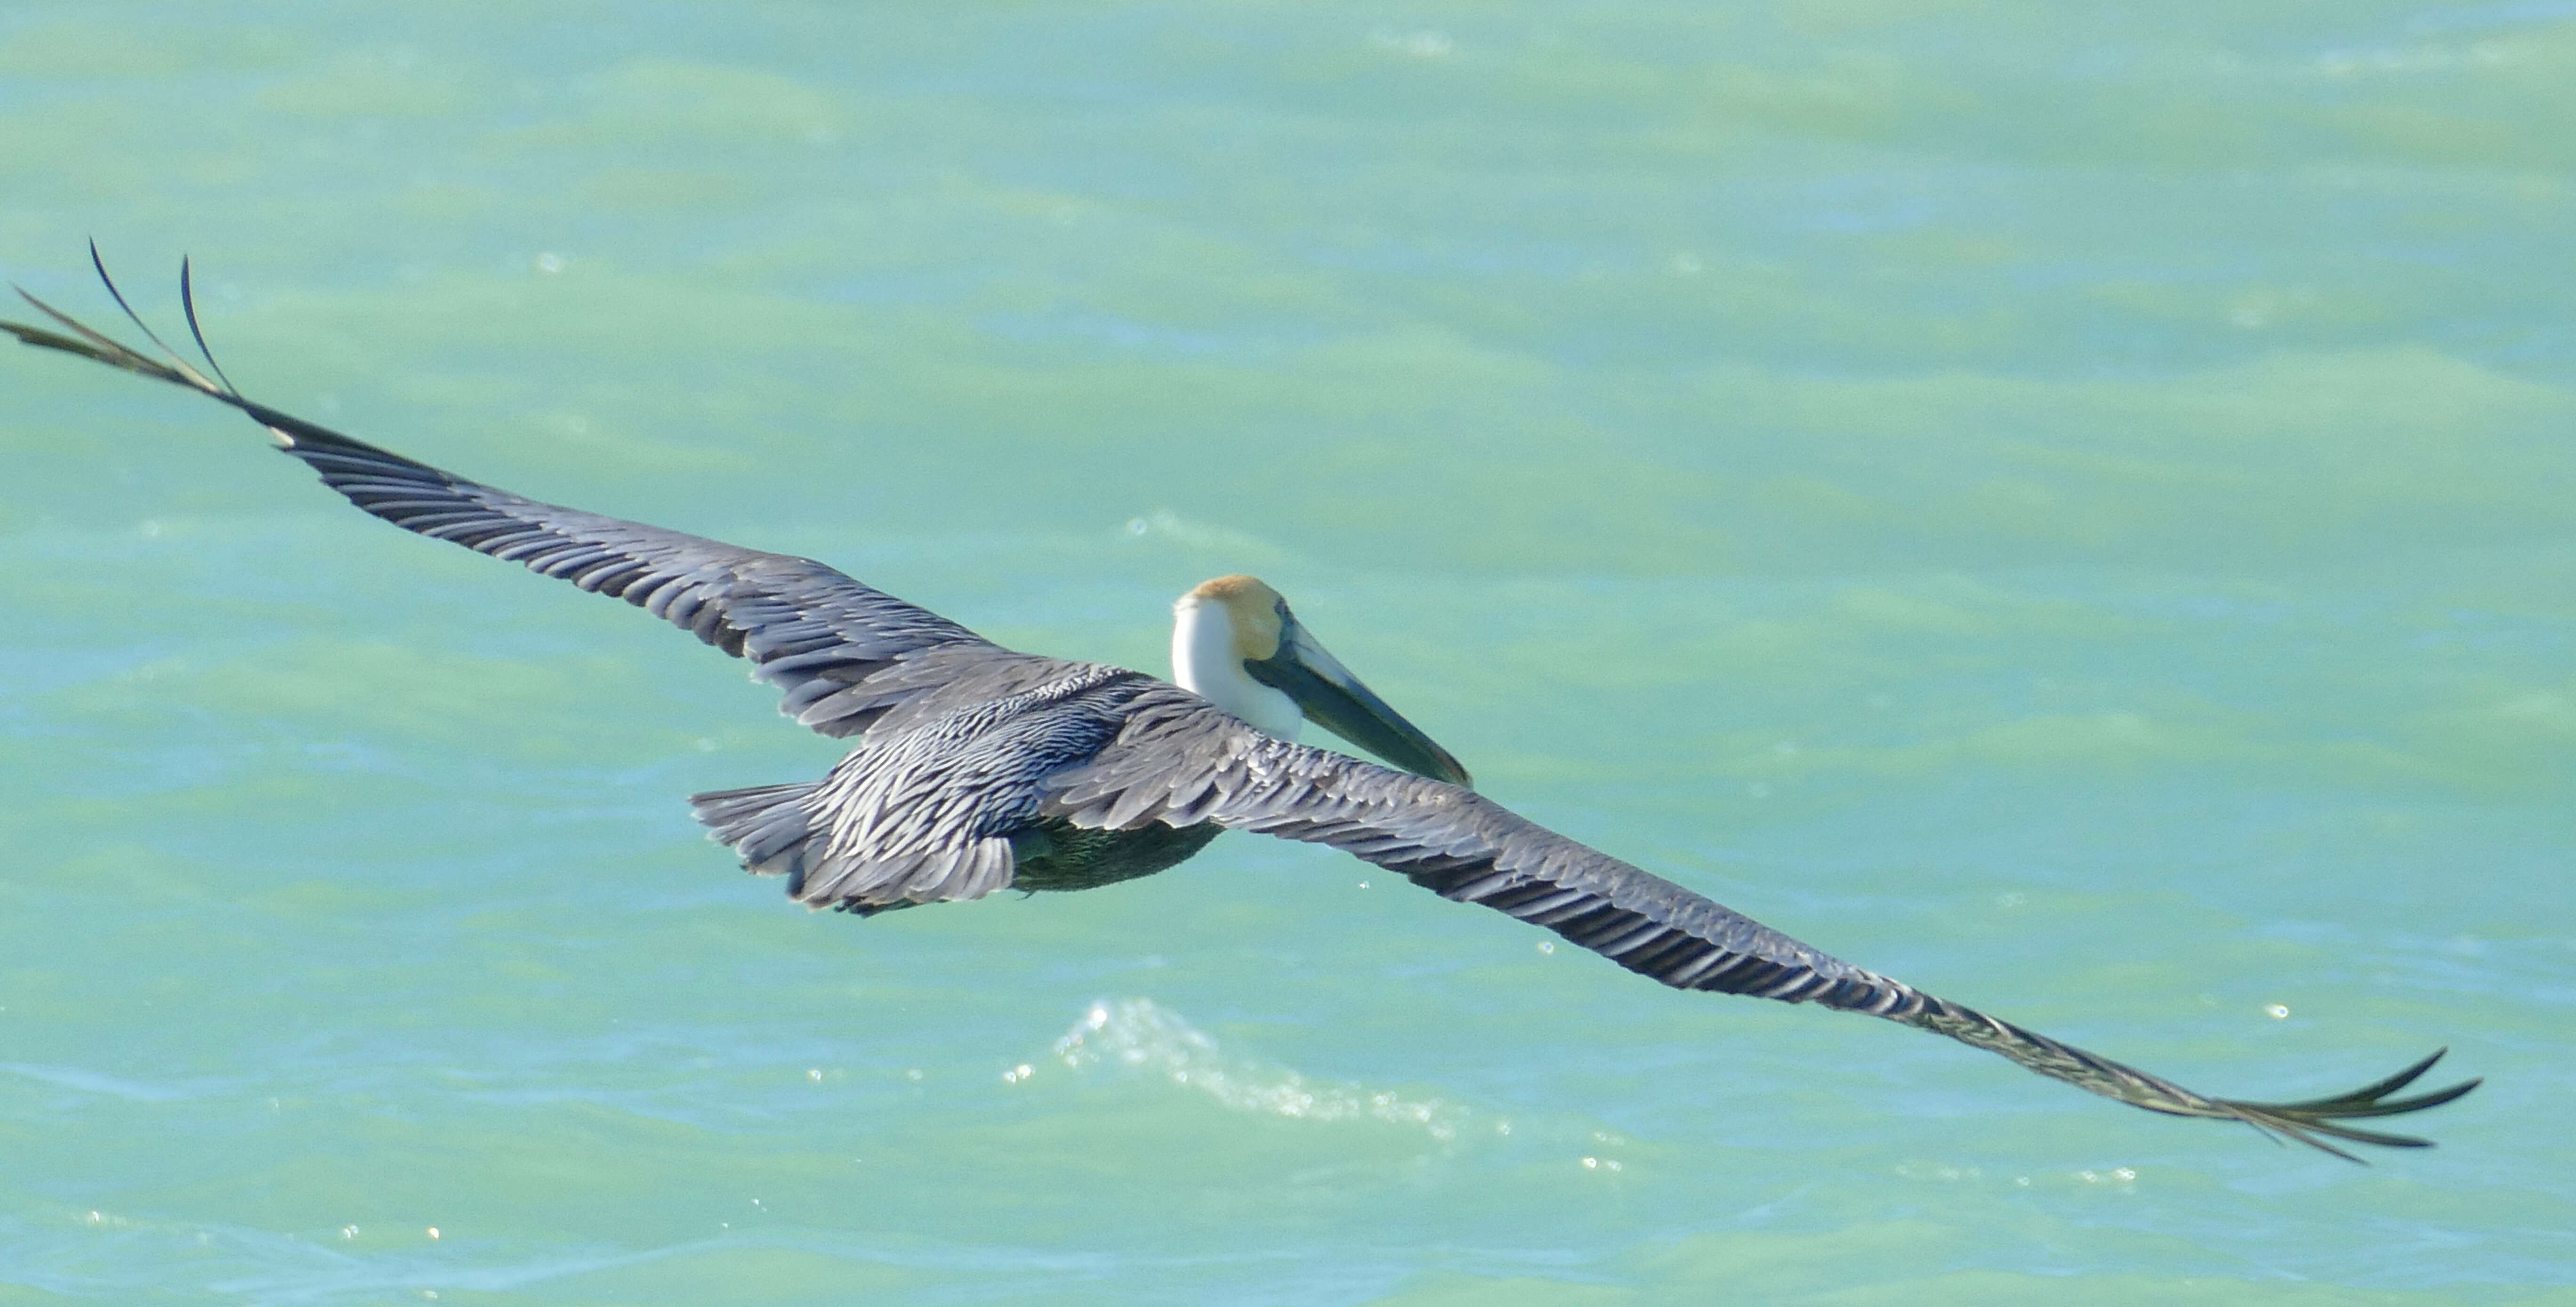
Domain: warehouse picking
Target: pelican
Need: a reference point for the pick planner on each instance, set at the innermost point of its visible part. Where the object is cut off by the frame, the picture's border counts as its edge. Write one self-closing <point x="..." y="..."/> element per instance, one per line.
<point x="975" y="768"/>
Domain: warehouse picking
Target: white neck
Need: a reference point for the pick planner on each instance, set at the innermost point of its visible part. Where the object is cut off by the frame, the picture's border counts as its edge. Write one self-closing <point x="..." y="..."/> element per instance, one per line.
<point x="1206" y="662"/>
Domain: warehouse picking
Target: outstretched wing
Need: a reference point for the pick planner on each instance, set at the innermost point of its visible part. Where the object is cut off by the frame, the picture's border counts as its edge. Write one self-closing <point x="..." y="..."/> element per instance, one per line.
<point x="812" y="631"/>
<point x="1181" y="762"/>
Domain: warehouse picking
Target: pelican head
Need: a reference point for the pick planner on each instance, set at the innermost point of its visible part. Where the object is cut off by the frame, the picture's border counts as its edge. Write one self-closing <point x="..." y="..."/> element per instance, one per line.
<point x="1235" y="644"/>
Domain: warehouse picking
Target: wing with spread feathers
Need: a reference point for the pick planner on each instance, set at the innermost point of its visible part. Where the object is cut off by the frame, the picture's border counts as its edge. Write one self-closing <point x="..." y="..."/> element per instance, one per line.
<point x="811" y="631"/>
<point x="1179" y="761"/>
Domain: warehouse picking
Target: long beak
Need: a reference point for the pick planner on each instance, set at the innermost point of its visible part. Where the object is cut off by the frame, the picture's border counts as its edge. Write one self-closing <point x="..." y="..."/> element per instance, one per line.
<point x="1337" y="701"/>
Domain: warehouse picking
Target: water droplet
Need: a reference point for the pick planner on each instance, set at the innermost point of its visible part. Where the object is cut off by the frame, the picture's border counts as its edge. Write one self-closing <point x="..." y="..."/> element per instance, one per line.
<point x="1591" y="1163"/>
<point x="550" y="263"/>
<point x="433" y="1232"/>
<point x="1547" y="946"/>
<point x="348" y="1232"/>
<point x="814" y="1074"/>
<point x="2276" y="1011"/>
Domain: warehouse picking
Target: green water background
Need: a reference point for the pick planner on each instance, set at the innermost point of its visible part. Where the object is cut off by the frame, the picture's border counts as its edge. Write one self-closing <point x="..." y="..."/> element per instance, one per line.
<point x="2067" y="505"/>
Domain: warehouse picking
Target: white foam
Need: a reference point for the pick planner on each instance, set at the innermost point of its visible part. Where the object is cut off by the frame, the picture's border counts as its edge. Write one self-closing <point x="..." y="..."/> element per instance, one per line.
<point x="1141" y="1035"/>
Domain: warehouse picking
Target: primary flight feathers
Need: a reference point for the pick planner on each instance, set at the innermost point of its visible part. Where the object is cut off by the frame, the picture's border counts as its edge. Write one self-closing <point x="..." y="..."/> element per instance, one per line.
<point x="977" y="767"/>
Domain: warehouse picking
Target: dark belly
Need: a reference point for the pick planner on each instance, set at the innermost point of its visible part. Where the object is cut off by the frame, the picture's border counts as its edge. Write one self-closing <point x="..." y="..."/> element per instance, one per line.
<point x="1058" y="856"/>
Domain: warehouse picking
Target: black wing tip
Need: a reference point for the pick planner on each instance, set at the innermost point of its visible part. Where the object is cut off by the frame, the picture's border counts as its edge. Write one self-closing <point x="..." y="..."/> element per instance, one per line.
<point x="2308" y="1119"/>
<point x="99" y="265"/>
<point x="38" y="336"/>
<point x="188" y="305"/>
<point x="92" y="344"/>
<point x="291" y="433"/>
<point x="84" y="342"/>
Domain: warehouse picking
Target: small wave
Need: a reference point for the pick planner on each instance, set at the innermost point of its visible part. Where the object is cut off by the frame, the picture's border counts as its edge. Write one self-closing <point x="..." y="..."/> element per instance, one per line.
<point x="1142" y="1035"/>
<point x="72" y="1077"/>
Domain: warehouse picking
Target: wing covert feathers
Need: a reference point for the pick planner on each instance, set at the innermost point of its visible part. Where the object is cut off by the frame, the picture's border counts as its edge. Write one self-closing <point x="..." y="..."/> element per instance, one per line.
<point x="927" y="808"/>
<point x="1180" y="761"/>
<point x="811" y="631"/>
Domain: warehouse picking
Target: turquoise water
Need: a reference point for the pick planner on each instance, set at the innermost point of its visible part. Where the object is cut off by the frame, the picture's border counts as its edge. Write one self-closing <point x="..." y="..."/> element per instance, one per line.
<point x="2069" y="506"/>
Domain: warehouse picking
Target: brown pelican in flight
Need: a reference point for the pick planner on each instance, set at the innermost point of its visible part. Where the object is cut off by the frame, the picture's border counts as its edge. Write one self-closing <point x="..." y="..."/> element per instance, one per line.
<point x="975" y="768"/>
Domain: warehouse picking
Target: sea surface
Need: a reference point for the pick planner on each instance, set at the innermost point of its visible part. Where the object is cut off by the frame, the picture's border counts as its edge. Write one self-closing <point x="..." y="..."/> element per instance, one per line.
<point x="2071" y="506"/>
